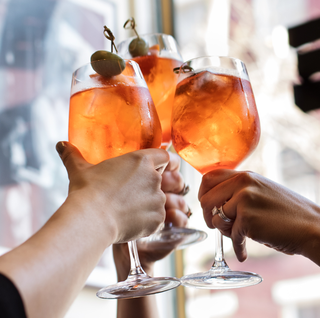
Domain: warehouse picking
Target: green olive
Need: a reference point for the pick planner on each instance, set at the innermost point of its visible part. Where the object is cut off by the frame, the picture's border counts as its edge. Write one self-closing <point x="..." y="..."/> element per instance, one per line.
<point x="107" y="64"/>
<point x="138" y="47"/>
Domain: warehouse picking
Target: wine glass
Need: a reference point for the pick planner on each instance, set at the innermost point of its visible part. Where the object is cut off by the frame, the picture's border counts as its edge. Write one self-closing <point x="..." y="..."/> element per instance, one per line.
<point x="108" y="117"/>
<point x="215" y="124"/>
<point x="157" y="64"/>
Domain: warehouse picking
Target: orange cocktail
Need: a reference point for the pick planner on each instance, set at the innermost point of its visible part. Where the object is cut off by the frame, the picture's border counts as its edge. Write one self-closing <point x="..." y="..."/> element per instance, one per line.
<point x="157" y="68"/>
<point x="161" y="81"/>
<point x="215" y="125"/>
<point x="109" y="117"/>
<point x="215" y="121"/>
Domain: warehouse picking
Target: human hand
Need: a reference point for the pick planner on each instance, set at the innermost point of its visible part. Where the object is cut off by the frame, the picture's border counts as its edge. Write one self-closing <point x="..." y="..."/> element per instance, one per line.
<point x="172" y="184"/>
<point x="261" y="210"/>
<point x="122" y="193"/>
<point x="176" y="209"/>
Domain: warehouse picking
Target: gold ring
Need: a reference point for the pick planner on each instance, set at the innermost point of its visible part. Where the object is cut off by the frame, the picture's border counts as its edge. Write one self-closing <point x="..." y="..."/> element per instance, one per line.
<point x="189" y="213"/>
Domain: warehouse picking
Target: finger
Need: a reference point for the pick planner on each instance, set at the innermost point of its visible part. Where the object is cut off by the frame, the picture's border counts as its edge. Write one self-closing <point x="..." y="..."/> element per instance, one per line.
<point x="218" y="196"/>
<point x="217" y="222"/>
<point x="159" y="157"/>
<point x="174" y="201"/>
<point x="213" y="178"/>
<point x="174" y="163"/>
<point x="233" y="229"/>
<point x="71" y="157"/>
<point x="176" y="217"/>
<point x="176" y="209"/>
<point x="172" y="181"/>
<point x="239" y="243"/>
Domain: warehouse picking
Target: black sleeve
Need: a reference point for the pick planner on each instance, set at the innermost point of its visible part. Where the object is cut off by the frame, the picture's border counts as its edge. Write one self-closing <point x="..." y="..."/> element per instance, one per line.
<point x="11" y="305"/>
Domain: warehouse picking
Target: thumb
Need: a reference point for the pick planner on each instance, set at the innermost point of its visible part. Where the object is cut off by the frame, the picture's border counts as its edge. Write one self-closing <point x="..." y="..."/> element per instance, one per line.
<point x="71" y="157"/>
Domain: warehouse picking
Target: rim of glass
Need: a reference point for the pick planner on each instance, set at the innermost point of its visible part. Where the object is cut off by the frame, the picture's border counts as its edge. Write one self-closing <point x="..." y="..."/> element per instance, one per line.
<point x="146" y="34"/>
<point x="242" y="72"/>
<point x="214" y="56"/>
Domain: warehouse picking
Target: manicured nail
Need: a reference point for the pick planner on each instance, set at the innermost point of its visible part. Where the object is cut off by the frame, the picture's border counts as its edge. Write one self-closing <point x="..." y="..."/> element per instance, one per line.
<point x="60" y="147"/>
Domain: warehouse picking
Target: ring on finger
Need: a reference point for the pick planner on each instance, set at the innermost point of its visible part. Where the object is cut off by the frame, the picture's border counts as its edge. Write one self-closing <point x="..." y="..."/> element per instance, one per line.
<point x="220" y="212"/>
<point x="189" y="213"/>
<point x="223" y="216"/>
<point x="185" y="190"/>
<point x="214" y="211"/>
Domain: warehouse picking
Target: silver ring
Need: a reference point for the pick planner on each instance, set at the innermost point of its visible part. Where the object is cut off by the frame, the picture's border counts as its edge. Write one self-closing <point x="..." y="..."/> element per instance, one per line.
<point x="185" y="190"/>
<point x="214" y="211"/>
<point x="223" y="216"/>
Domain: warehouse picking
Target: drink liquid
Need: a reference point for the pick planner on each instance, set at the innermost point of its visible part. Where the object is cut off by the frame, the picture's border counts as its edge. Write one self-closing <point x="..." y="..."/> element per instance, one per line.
<point x="161" y="81"/>
<point x="114" y="117"/>
<point x="215" y="123"/>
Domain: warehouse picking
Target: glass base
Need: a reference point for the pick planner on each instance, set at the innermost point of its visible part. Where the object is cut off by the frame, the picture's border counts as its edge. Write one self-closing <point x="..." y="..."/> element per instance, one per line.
<point x="171" y="237"/>
<point x="221" y="278"/>
<point x="138" y="286"/>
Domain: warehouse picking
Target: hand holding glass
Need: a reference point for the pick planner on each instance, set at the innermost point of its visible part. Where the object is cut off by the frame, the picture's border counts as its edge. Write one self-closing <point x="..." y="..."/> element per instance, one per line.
<point x="215" y="124"/>
<point x="108" y="117"/>
<point x="157" y="68"/>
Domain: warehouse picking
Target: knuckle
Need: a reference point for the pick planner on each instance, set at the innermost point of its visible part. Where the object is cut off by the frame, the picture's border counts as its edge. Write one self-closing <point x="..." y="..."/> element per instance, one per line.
<point x="203" y="203"/>
<point x="160" y="217"/>
<point x="163" y="198"/>
<point x="246" y="177"/>
<point x="159" y="200"/>
<point x="248" y="183"/>
<point x="156" y="179"/>
<point x="139" y="157"/>
<point x="247" y="196"/>
<point x="206" y="178"/>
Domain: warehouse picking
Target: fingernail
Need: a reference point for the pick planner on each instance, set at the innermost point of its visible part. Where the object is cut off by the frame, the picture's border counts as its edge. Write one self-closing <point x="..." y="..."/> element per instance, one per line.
<point x="60" y="147"/>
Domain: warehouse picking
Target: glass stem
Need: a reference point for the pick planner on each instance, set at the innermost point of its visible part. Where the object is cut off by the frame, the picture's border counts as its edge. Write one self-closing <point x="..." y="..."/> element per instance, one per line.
<point x="135" y="266"/>
<point x="219" y="262"/>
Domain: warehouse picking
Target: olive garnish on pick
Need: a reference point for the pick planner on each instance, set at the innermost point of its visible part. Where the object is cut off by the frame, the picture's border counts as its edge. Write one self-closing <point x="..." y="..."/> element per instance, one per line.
<point x="106" y="63"/>
<point x="138" y="46"/>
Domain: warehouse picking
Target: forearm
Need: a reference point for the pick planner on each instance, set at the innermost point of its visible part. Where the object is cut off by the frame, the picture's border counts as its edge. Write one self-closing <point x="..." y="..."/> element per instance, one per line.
<point x="46" y="268"/>
<point x="144" y="307"/>
<point x="311" y="247"/>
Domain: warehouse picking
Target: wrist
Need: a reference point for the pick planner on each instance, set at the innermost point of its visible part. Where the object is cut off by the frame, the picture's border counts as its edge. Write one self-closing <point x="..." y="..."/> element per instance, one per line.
<point x="311" y="246"/>
<point x="99" y="225"/>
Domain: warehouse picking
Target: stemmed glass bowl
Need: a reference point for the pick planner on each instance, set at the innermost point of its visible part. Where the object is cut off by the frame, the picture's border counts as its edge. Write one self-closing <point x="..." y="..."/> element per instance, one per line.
<point x="157" y="66"/>
<point x="215" y="124"/>
<point x="108" y="117"/>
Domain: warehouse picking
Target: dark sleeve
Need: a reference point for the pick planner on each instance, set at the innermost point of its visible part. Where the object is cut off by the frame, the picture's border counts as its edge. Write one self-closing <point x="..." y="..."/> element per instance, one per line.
<point x="11" y="305"/>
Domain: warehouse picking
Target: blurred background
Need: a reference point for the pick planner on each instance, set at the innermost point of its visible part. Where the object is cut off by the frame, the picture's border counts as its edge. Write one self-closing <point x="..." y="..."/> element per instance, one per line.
<point x="43" y="41"/>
